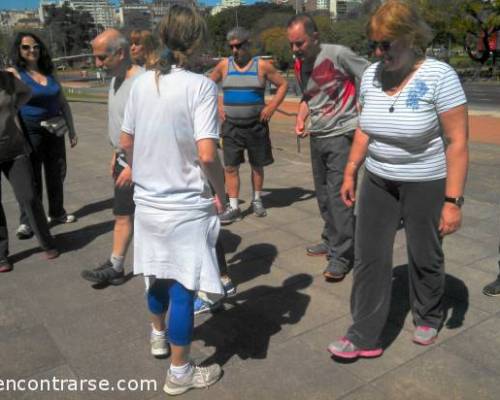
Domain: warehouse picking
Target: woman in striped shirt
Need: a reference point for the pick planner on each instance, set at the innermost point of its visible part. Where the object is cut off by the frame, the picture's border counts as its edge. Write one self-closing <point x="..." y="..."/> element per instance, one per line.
<point x="412" y="135"/>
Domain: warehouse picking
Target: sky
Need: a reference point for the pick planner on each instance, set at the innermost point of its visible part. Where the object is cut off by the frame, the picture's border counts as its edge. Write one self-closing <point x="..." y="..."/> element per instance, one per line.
<point x="22" y="4"/>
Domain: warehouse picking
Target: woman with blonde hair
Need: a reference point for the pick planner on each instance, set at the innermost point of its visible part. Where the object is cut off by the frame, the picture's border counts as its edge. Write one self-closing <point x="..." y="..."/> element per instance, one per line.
<point x="143" y="48"/>
<point x="412" y="135"/>
<point x="170" y="133"/>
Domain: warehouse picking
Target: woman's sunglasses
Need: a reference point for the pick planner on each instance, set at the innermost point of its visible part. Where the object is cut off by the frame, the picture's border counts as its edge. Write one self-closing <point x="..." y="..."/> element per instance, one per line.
<point x="27" y="47"/>
<point x="383" y="45"/>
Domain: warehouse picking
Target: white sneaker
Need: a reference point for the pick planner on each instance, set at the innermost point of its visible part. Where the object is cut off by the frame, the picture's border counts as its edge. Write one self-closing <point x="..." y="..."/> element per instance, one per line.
<point x="159" y="345"/>
<point x="24" y="232"/>
<point x="199" y="377"/>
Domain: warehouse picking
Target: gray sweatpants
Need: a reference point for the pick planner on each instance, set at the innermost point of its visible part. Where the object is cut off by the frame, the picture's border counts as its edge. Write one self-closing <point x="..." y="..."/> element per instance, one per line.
<point x="382" y="204"/>
<point x="328" y="159"/>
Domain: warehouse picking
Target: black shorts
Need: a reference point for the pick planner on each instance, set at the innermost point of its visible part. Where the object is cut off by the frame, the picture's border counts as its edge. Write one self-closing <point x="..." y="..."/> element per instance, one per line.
<point x="123" y="202"/>
<point x="253" y="137"/>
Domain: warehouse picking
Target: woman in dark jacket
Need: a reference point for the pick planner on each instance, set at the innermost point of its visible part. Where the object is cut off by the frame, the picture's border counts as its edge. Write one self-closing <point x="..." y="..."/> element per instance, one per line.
<point x="15" y="165"/>
<point x="34" y="67"/>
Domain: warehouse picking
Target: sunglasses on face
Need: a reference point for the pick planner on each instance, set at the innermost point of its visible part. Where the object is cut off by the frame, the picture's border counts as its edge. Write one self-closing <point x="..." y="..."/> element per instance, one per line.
<point x="384" y="45"/>
<point x="237" y="46"/>
<point x="27" y="47"/>
<point x="101" y="57"/>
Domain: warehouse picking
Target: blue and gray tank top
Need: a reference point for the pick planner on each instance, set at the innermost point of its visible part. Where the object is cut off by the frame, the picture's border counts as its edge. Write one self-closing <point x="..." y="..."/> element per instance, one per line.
<point x="243" y="92"/>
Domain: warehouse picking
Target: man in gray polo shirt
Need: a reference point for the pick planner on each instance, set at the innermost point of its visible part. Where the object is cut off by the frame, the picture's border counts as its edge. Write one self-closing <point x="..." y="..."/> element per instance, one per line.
<point x="327" y="75"/>
<point x="112" y="53"/>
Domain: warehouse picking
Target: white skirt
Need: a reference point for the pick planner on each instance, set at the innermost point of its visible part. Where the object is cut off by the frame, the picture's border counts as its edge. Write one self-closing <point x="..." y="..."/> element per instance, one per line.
<point x="178" y="245"/>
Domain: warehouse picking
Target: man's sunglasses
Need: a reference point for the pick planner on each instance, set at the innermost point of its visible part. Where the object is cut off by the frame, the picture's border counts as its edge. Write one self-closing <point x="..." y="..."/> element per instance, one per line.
<point x="238" y="45"/>
<point x="27" y="47"/>
<point x="102" y="57"/>
<point x="383" y="45"/>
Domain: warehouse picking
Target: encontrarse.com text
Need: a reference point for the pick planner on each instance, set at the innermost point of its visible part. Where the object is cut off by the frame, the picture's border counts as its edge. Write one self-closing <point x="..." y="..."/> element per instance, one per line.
<point x="77" y="385"/>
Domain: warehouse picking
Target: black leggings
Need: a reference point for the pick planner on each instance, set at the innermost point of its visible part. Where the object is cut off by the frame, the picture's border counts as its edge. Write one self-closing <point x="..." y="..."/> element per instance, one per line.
<point x="20" y="176"/>
<point x="382" y="204"/>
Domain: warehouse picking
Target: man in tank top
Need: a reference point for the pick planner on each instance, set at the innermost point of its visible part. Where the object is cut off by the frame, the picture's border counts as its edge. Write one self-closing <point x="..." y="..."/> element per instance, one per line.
<point x="245" y="117"/>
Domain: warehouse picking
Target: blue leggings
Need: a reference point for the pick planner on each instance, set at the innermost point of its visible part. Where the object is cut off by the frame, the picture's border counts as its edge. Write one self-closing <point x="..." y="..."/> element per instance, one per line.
<point x="180" y="323"/>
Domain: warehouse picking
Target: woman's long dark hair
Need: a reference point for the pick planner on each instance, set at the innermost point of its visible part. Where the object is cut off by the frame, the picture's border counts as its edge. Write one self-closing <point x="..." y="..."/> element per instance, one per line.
<point x="44" y="64"/>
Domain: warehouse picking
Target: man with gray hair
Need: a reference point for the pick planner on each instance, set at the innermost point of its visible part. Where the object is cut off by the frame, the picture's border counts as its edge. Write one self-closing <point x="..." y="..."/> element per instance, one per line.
<point x="245" y="118"/>
<point x="112" y="53"/>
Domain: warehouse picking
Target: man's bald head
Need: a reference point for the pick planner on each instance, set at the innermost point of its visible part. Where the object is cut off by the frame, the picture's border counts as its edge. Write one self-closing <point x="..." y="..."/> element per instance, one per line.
<point x="111" y="50"/>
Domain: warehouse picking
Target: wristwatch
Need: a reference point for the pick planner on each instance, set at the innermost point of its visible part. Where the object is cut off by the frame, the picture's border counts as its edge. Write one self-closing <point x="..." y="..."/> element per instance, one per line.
<point x="458" y="201"/>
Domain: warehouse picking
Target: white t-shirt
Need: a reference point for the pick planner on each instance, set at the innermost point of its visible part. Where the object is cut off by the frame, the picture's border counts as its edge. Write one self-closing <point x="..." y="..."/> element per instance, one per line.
<point x="407" y="144"/>
<point x="167" y="120"/>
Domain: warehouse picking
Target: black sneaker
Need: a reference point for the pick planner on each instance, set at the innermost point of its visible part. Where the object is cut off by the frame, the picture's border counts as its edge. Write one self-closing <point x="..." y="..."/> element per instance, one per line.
<point x="104" y="274"/>
<point x="492" y="289"/>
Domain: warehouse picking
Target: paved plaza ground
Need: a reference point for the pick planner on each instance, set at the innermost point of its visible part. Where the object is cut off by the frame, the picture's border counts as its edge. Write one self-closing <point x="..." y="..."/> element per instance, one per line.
<point x="271" y="338"/>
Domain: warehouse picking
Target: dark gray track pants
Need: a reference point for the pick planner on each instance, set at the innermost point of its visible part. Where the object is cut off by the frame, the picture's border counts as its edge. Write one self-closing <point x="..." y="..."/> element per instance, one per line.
<point x="328" y="159"/>
<point x="381" y="205"/>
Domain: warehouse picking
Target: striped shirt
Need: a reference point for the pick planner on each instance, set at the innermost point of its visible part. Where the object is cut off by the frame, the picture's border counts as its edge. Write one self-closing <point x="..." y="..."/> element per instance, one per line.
<point x="243" y="92"/>
<point x="407" y="144"/>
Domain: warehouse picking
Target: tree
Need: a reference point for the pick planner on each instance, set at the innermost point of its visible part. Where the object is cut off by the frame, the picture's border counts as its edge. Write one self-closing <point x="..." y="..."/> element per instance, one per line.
<point x="70" y="31"/>
<point x="246" y="16"/>
<point x="275" y="42"/>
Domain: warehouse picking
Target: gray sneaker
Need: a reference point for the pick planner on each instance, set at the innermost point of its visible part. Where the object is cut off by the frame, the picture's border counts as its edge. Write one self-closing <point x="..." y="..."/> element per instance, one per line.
<point x="258" y="208"/>
<point x="320" y="249"/>
<point x="230" y="215"/>
<point x="159" y="345"/>
<point x="424" y="335"/>
<point x="200" y="377"/>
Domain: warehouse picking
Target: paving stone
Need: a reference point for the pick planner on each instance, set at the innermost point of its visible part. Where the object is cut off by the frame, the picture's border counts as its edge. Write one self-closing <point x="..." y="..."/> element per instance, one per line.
<point x="302" y="373"/>
<point x="367" y="392"/>
<point x="439" y="374"/>
<point x="56" y="384"/>
<point x="28" y="352"/>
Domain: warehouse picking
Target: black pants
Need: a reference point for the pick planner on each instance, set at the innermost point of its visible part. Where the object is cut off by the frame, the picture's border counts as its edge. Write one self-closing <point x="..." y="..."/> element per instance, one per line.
<point x="382" y="204"/>
<point x="328" y="159"/>
<point x="49" y="151"/>
<point x="19" y="174"/>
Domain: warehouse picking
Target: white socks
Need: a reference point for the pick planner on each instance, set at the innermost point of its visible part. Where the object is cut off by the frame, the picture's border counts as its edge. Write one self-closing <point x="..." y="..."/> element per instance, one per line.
<point x="233" y="202"/>
<point x="157" y="333"/>
<point x="180" y="371"/>
<point x="117" y="262"/>
<point x="256" y="195"/>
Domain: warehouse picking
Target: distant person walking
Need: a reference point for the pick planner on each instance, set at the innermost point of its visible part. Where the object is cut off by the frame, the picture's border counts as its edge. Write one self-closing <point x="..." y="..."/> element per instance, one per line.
<point x="245" y="118"/>
<point x="112" y="54"/>
<point x="33" y="65"/>
<point x="328" y="75"/>
<point x="170" y="134"/>
<point x="413" y="133"/>
<point x="15" y="165"/>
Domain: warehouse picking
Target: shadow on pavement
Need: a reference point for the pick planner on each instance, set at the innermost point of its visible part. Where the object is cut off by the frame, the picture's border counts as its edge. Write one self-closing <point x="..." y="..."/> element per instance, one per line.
<point x="284" y="197"/>
<point x="77" y="239"/>
<point x="93" y="208"/>
<point x="455" y="303"/>
<point x="257" y="314"/>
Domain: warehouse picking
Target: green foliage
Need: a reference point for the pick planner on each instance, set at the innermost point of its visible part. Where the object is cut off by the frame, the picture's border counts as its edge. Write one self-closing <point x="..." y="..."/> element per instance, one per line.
<point x="70" y="31"/>
<point x="275" y="42"/>
<point x="248" y="17"/>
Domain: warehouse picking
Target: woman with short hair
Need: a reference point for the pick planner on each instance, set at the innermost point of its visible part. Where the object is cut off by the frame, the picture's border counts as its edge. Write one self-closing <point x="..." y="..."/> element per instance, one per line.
<point x="413" y="133"/>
